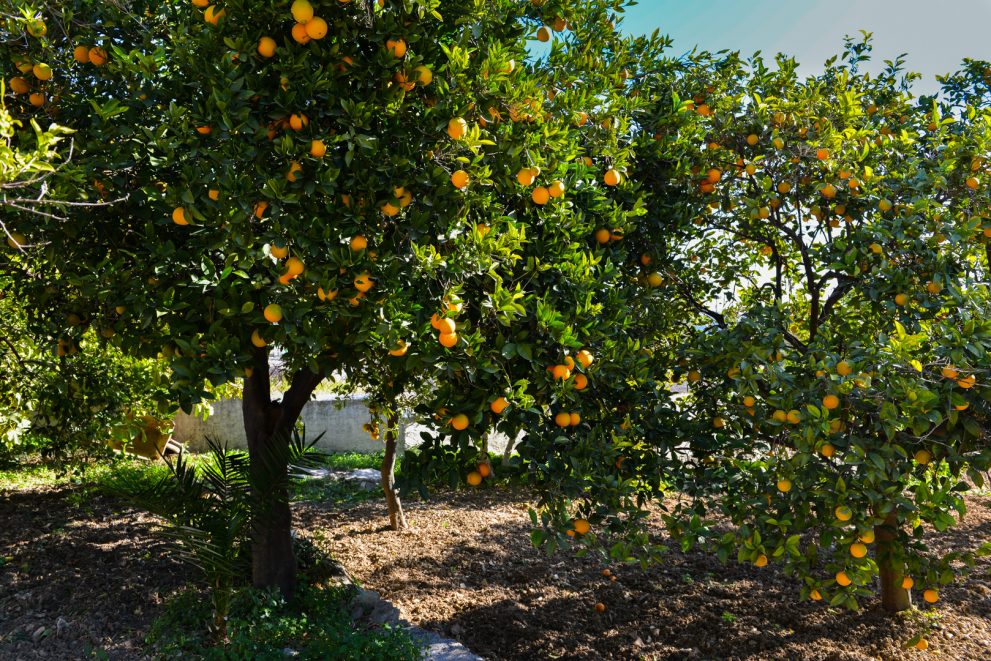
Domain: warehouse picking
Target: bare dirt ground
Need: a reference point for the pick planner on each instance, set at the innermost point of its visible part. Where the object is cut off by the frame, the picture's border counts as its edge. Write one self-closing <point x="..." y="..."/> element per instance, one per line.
<point x="79" y="575"/>
<point x="466" y="569"/>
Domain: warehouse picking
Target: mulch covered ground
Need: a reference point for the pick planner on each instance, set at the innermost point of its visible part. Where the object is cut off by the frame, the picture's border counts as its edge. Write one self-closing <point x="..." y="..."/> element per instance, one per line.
<point x="79" y="576"/>
<point x="92" y="576"/>
<point x="466" y="569"/>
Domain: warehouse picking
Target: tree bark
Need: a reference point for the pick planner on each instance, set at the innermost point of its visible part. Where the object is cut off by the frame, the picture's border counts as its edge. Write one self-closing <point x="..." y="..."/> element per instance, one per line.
<point x="268" y="426"/>
<point x="397" y="519"/>
<point x="891" y="570"/>
<point x="507" y="454"/>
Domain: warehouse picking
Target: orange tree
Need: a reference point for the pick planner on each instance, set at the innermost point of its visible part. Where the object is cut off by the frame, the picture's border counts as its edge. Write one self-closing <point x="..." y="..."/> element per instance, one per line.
<point x="829" y="234"/>
<point x="383" y="190"/>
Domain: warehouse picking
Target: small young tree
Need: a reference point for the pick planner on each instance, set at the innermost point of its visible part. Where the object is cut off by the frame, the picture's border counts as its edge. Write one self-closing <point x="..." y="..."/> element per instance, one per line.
<point x="832" y="245"/>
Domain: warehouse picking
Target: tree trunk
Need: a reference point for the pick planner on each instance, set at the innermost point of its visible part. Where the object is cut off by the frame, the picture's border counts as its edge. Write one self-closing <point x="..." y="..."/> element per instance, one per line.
<point x="508" y="452"/>
<point x="268" y="426"/>
<point x="397" y="520"/>
<point x="894" y="598"/>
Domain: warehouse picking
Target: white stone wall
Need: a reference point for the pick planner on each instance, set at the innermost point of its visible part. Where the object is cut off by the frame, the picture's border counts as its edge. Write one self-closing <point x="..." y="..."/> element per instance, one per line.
<point x="340" y="421"/>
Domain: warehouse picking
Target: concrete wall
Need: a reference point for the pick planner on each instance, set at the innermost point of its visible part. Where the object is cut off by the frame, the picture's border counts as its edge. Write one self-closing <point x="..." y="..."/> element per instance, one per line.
<point x="340" y="421"/>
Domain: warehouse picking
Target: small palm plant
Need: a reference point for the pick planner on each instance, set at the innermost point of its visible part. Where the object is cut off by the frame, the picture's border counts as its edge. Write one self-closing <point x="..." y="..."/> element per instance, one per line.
<point x="210" y="507"/>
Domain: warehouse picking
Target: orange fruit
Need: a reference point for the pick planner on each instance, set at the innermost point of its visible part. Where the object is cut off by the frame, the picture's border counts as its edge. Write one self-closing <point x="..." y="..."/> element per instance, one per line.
<point x="457" y="128"/>
<point x="585" y="357"/>
<point x="363" y="283"/>
<point x="257" y="339"/>
<point x="761" y="561"/>
<point x="400" y="349"/>
<point x="448" y="340"/>
<point x="474" y="478"/>
<point x="822" y="154"/>
<point x="358" y="243"/>
<point x="858" y="550"/>
<point x="294" y="167"/>
<point x="266" y="47"/>
<point x="830" y="402"/>
<point x="581" y="382"/>
<point x="922" y="645"/>
<point x="843" y="513"/>
<point x="484" y="470"/>
<point x="843" y="368"/>
<point x="600" y="607"/>
<point x="279" y="252"/>
<point x="907" y="583"/>
<point x="967" y="382"/>
<point x="212" y="15"/>
<point x="562" y="419"/>
<point x="294" y="266"/>
<point x="526" y="176"/>
<point x="19" y="85"/>
<point x="901" y="299"/>
<point x="397" y="47"/>
<point x="460" y="422"/>
<point x="299" y="34"/>
<point x="828" y="191"/>
<point x="424" y="75"/>
<point x="561" y="373"/>
<point x="499" y="405"/>
<point x="828" y="450"/>
<point x="931" y="596"/>
<point x="540" y="195"/>
<point x="972" y="183"/>
<point x="213" y="194"/>
<point x="37" y="99"/>
<point x="867" y="537"/>
<point x="784" y="486"/>
<point x="556" y="189"/>
<point x="576" y="419"/>
<point x="445" y="325"/>
<point x="316" y="28"/>
<point x="459" y="179"/>
<point x="259" y="209"/>
<point x="42" y="71"/>
<point x="180" y="216"/>
<point x="842" y="579"/>
<point x="612" y="177"/>
<point x="273" y="313"/>
<point x="298" y="121"/>
<point x="582" y="526"/>
<point x="923" y="457"/>
<point x="602" y="236"/>
<point x="950" y="372"/>
<point x="318" y="149"/>
<point x="301" y="10"/>
<point x="97" y="56"/>
<point x="543" y="34"/>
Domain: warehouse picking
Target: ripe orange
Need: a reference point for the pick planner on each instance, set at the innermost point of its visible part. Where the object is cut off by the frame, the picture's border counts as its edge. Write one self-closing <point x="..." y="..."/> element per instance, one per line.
<point x="973" y="183"/>
<point x="867" y="537"/>
<point x="318" y="149"/>
<point x="301" y="10"/>
<point x="585" y="357"/>
<point x="828" y="191"/>
<point x="526" y="176"/>
<point x="213" y="194"/>
<point x="19" y="85"/>
<point x="540" y="195"/>
<point x="582" y="526"/>
<point x="612" y="177"/>
<point x="828" y="450"/>
<point x="562" y="419"/>
<point x="397" y="47"/>
<point x="474" y="478"/>
<point x="358" y="243"/>
<point x="907" y="583"/>
<point x="457" y="128"/>
<point x="212" y="15"/>
<point x="922" y="645"/>
<point x="294" y="167"/>
<point x="822" y="154"/>
<point x="843" y="513"/>
<point x="266" y="47"/>
<point x="42" y="71"/>
<point x="259" y="209"/>
<point x="931" y="596"/>
<point x="556" y="189"/>
<point x="279" y="252"/>
<point x="543" y="34"/>
<point x="180" y="216"/>
<point x="273" y="313"/>
<point x="390" y="209"/>
<point x="460" y="422"/>
<point x="97" y="56"/>
<point x="424" y="75"/>
<point x="602" y="235"/>
<point x="460" y="179"/>
<point x="257" y="339"/>
<point x="884" y="205"/>
<point x="299" y="34"/>
<point x="298" y="121"/>
<point x="581" y="382"/>
<point x="967" y="382"/>
<point x="600" y="607"/>
<point x="576" y="419"/>
<point x="316" y="28"/>
<point x="830" y="402"/>
<point x="843" y="368"/>
<point x="815" y="595"/>
<point x="761" y="561"/>
<point x="901" y="299"/>
<point x="842" y="579"/>
<point x="446" y="326"/>
<point x="950" y="372"/>
<point x="858" y="550"/>
<point x="784" y="485"/>
<point x="294" y="266"/>
<point x="499" y="405"/>
<point x="37" y="99"/>
<point x="923" y="457"/>
<point x="561" y="373"/>
<point x="448" y="340"/>
<point x="363" y="283"/>
<point x="400" y="349"/>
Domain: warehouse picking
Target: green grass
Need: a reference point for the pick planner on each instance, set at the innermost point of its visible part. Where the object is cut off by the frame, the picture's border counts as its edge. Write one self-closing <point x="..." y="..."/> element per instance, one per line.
<point x="262" y="626"/>
<point x="354" y="460"/>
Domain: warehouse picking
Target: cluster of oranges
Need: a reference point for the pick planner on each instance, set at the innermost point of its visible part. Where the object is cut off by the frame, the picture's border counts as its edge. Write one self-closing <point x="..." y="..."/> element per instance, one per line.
<point x="482" y="471"/>
<point x="953" y="374"/>
<point x="445" y="326"/>
<point x="540" y="195"/>
<point x="41" y="71"/>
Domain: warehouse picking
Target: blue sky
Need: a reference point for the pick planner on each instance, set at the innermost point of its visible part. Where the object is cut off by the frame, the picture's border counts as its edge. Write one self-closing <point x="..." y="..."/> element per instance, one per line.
<point x="936" y="35"/>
